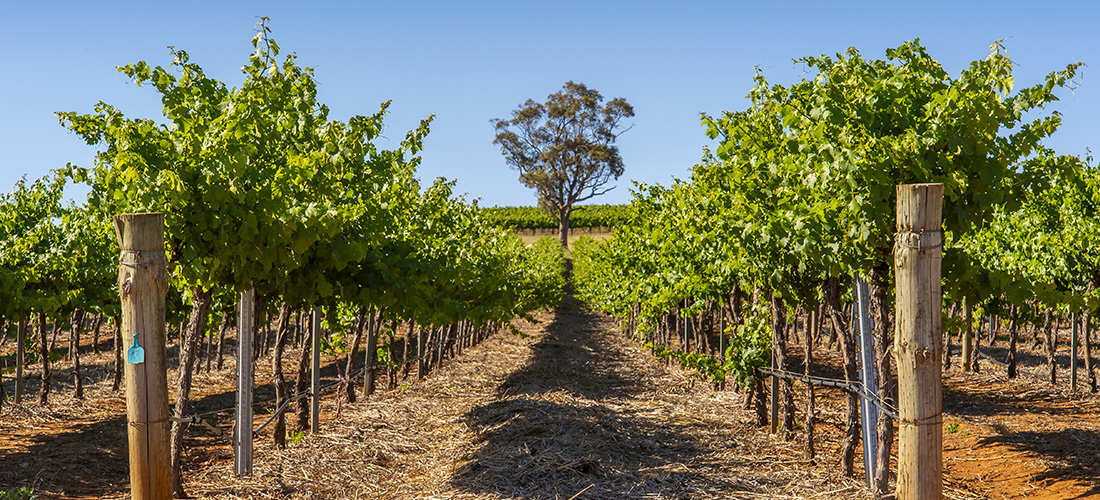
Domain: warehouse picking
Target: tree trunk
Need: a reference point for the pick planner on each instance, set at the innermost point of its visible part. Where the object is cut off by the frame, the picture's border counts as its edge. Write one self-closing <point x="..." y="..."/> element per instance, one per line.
<point x="808" y="335"/>
<point x="301" y="385"/>
<point x="357" y="336"/>
<point x="373" y="325"/>
<point x="227" y="321"/>
<point x="564" y="213"/>
<point x="846" y="341"/>
<point x="884" y="333"/>
<point x="56" y="329"/>
<point x="279" y="434"/>
<point x="735" y="306"/>
<point x="994" y="324"/>
<point x="95" y="332"/>
<point x="118" y="354"/>
<point x="405" y="349"/>
<point x="20" y="359"/>
<point x="1086" y="342"/>
<point x="44" y="353"/>
<point x="1013" y="321"/>
<point x="1051" y="341"/>
<point x="974" y="366"/>
<point x="207" y="351"/>
<point x="200" y="306"/>
<point x="391" y="369"/>
<point x="259" y="307"/>
<point x="947" y="342"/>
<point x="968" y="335"/>
<point x="74" y="352"/>
<point x="420" y="361"/>
<point x="779" y="326"/>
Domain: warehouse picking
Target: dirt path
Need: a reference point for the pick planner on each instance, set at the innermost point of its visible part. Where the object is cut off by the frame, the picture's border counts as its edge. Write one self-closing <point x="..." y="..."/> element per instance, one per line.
<point x="571" y="410"/>
<point x="1020" y="439"/>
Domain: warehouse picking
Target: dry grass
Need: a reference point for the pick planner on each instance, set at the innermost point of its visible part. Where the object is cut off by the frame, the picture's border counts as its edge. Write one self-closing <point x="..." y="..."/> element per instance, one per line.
<point x="573" y="411"/>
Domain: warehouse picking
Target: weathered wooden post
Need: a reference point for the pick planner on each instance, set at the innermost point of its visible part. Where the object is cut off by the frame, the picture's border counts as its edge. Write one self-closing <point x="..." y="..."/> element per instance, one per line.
<point x="918" y="340"/>
<point x="242" y="429"/>
<point x="143" y="284"/>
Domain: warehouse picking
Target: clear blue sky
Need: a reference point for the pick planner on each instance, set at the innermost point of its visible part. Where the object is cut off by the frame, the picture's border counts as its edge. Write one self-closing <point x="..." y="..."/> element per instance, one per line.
<point x="469" y="62"/>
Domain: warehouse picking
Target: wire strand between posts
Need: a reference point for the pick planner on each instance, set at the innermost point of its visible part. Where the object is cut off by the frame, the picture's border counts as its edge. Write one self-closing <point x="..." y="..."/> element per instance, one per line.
<point x="901" y="238"/>
<point x="138" y="254"/>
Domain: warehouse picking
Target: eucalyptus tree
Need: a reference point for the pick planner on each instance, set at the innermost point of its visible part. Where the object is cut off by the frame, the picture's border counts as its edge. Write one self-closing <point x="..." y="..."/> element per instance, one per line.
<point x="565" y="148"/>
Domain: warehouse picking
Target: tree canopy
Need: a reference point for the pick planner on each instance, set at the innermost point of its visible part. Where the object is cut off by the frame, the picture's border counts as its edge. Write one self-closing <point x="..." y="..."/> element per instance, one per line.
<point x="565" y="148"/>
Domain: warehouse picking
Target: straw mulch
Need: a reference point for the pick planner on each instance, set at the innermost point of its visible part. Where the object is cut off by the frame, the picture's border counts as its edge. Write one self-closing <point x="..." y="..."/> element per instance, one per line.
<point x="572" y="411"/>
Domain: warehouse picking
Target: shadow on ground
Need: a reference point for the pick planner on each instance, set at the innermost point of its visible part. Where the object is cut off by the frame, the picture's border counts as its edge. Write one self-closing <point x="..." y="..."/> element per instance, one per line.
<point x="88" y="461"/>
<point x="562" y="425"/>
<point x="1062" y="450"/>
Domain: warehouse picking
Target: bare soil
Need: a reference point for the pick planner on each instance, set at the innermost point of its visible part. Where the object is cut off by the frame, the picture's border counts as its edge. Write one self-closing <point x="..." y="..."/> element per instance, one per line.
<point x="571" y="410"/>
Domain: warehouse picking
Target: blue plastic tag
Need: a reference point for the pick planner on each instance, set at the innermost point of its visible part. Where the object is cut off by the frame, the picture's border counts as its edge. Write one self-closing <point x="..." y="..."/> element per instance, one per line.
<point x="135" y="355"/>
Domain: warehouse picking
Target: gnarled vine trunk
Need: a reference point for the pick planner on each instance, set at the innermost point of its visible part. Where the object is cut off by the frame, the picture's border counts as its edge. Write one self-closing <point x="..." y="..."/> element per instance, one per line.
<point x="200" y="306"/>
<point x="44" y="354"/>
<point x="846" y="340"/>
<point x="301" y="385"/>
<point x="74" y="353"/>
<point x="779" y="349"/>
<point x="279" y="434"/>
<point x="884" y="339"/>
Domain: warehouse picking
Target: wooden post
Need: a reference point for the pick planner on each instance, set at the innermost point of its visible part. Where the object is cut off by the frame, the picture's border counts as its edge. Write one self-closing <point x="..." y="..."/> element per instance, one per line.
<point x="918" y="341"/>
<point x="242" y="428"/>
<point x="968" y="336"/>
<point x="143" y="284"/>
<point x="315" y="380"/>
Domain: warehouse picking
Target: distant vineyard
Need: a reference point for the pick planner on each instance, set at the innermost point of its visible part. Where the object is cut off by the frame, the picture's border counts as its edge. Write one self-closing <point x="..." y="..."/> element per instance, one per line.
<point x="584" y="216"/>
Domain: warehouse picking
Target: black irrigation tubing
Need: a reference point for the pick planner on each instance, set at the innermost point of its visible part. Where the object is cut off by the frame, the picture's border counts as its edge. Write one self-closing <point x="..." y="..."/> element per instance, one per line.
<point x="855" y="387"/>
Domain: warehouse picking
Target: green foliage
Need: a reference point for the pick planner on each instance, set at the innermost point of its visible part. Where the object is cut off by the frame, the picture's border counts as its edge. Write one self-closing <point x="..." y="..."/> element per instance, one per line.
<point x="750" y="347"/>
<point x="583" y="216"/>
<point x="261" y="188"/>
<point x="20" y="493"/>
<point x="53" y="258"/>
<point x="802" y="188"/>
<point x="1046" y="249"/>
